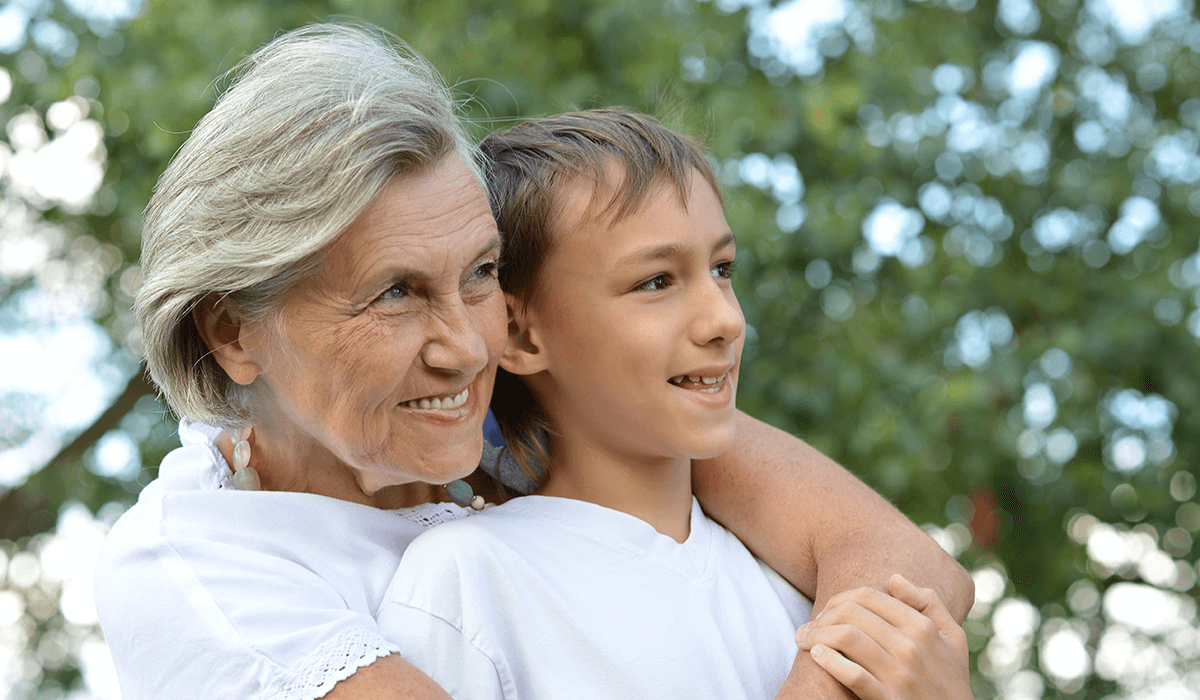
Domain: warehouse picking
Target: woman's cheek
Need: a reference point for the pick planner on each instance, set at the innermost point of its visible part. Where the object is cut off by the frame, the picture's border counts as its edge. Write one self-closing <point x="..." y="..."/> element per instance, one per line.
<point x="494" y="325"/>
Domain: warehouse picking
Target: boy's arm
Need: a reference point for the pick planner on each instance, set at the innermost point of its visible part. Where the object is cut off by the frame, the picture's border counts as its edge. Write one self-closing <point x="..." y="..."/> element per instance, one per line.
<point x="821" y="528"/>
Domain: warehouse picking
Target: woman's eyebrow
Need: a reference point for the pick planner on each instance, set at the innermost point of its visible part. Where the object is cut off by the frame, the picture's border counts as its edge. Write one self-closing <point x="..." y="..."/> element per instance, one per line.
<point x="495" y="243"/>
<point x="401" y="274"/>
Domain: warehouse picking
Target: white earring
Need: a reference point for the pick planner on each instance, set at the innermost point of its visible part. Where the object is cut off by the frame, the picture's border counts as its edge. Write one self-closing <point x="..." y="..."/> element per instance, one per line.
<point x="244" y="477"/>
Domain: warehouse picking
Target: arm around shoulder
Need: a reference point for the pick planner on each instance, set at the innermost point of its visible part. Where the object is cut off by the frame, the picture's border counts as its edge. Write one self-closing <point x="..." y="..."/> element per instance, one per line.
<point x="816" y="524"/>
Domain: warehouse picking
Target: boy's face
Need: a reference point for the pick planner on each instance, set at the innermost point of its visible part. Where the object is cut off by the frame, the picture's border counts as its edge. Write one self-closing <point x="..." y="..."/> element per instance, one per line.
<point x="641" y="327"/>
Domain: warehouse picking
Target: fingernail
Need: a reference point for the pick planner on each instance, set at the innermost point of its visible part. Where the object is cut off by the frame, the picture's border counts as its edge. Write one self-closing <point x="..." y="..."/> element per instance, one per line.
<point x="817" y="651"/>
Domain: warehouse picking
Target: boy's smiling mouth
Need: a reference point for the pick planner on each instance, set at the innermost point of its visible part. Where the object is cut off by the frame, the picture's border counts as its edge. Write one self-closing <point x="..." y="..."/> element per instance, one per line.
<point x="710" y="384"/>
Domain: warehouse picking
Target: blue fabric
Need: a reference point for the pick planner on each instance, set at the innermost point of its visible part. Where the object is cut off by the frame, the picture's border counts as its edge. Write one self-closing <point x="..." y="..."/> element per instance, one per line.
<point x="491" y="431"/>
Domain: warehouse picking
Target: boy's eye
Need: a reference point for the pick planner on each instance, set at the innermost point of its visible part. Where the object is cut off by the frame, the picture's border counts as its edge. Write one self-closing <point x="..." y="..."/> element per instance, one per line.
<point x="656" y="283"/>
<point x="723" y="269"/>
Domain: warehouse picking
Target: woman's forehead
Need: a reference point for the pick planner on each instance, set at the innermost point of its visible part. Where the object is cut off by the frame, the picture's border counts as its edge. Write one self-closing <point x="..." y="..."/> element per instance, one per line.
<point x="432" y="218"/>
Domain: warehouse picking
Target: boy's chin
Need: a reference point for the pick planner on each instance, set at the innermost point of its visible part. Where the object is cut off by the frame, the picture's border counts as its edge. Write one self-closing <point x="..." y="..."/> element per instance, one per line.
<point x="716" y="447"/>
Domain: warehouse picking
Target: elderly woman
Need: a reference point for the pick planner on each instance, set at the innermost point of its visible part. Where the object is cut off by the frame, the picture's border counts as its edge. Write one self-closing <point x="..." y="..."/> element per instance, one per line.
<point x="319" y="282"/>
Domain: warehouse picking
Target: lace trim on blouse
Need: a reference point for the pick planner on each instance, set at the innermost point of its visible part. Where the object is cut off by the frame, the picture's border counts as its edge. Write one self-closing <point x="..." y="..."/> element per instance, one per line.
<point x="429" y="514"/>
<point x="335" y="660"/>
<point x="339" y="658"/>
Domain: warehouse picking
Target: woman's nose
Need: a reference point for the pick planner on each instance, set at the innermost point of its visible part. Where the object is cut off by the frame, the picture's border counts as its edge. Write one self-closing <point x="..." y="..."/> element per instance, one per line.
<point x="455" y="343"/>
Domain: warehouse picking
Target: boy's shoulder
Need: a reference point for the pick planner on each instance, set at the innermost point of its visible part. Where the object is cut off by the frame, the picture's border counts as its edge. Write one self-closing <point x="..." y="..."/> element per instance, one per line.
<point x="526" y="534"/>
<point x="484" y="535"/>
<point x="459" y="564"/>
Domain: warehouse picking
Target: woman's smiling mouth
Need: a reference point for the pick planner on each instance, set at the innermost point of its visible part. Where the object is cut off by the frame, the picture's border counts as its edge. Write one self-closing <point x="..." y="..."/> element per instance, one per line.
<point x="440" y="402"/>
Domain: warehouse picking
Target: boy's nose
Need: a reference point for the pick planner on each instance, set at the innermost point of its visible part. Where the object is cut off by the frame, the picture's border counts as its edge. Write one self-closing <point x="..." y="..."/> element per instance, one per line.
<point x="718" y="316"/>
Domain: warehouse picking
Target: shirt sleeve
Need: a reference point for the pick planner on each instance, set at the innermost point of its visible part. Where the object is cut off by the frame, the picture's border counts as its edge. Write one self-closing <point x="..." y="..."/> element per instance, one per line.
<point x="215" y="618"/>
<point x="444" y="652"/>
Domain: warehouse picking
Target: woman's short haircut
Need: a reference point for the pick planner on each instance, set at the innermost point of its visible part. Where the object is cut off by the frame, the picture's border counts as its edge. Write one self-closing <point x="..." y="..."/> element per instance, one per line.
<point x="624" y="158"/>
<point x="314" y="126"/>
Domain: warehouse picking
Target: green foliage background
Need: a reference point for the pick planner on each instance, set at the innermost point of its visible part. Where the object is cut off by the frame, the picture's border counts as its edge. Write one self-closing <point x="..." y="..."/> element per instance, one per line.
<point x="926" y="372"/>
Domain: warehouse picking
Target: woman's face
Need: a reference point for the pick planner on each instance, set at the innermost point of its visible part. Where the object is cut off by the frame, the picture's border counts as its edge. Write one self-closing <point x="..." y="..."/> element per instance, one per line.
<point x="384" y="359"/>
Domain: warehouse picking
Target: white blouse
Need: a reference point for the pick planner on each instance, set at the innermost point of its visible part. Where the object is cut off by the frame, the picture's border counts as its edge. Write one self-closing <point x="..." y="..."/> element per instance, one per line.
<point x="208" y="592"/>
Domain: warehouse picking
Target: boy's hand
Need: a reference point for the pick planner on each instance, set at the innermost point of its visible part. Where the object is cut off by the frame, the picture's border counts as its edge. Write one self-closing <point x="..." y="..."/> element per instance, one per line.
<point x="903" y="646"/>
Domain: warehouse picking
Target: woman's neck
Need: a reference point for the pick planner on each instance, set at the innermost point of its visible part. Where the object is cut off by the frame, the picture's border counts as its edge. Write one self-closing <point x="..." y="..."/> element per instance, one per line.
<point x="294" y="462"/>
<point x="657" y="491"/>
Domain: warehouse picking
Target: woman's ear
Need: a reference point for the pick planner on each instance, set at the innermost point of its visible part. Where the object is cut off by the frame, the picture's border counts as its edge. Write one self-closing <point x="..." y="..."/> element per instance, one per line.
<point x="226" y="334"/>
<point x="524" y="353"/>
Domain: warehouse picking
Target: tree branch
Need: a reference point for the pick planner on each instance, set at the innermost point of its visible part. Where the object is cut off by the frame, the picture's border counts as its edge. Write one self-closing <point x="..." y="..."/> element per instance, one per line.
<point x="15" y="288"/>
<point x="134" y="390"/>
<point x="31" y="508"/>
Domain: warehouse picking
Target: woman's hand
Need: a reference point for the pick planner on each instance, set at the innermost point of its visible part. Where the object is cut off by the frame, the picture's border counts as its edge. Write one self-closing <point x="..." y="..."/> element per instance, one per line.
<point x="903" y="646"/>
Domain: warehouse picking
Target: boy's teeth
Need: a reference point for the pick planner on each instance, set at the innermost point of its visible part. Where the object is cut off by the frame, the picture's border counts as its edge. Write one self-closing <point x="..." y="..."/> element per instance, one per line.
<point x="709" y="381"/>
<point x="441" y="402"/>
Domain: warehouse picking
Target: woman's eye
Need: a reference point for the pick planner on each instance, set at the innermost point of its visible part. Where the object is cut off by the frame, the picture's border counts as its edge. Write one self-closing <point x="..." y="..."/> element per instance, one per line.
<point x="396" y="291"/>
<point x="487" y="269"/>
<point x="655" y="284"/>
<point x="723" y="269"/>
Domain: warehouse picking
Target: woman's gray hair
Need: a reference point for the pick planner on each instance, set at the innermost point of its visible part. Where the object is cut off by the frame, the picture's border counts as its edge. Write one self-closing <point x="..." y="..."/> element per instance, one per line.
<point x="315" y="125"/>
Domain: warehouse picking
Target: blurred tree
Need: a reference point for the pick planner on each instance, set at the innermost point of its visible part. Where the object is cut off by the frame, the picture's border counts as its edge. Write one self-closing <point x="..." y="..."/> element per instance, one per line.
<point x="967" y="262"/>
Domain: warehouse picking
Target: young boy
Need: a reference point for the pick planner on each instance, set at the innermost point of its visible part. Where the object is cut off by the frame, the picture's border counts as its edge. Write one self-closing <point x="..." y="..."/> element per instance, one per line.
<point x="610" y="582"/>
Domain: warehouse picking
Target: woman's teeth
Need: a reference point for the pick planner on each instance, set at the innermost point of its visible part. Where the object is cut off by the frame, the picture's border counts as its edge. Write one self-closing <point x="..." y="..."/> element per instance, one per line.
<point x="442" y="402"/>
<point x="710" y="384"/>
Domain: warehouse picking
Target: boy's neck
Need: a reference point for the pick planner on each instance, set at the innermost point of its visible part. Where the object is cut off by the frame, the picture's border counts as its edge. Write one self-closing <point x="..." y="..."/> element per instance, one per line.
<point x="657" y="492"/>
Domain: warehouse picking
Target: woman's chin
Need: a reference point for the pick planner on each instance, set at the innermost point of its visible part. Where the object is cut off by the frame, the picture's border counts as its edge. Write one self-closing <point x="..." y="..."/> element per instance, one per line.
<point x="453" y="462"/>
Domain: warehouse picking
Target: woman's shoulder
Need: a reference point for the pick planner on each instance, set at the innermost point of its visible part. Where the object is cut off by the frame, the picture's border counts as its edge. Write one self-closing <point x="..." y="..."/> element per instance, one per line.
<point x="195" y="465"/>
<point x="188" y="569"/>
<point x="201" y="539"/>
<point x="217" y="548"/>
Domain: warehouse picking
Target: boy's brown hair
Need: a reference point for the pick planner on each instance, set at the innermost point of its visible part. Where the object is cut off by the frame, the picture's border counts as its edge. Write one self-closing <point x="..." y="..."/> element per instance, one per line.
<point x="624" y="157"/>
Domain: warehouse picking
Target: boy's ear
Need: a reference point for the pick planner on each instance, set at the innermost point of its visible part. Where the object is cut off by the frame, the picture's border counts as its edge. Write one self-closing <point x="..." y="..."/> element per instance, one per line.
<point x="225" y="333"/>
<point x="523" y="353"/>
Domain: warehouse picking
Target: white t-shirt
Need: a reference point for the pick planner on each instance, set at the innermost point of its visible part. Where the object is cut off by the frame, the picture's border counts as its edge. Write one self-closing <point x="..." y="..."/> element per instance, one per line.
<point x="207" y="592"/>
<point x="548" y="598"/>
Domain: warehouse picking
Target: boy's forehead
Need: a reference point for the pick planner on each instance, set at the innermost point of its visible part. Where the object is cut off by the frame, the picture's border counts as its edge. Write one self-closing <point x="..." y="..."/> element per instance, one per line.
<point x="603" y="200"/>
<point x="579" y="201"/>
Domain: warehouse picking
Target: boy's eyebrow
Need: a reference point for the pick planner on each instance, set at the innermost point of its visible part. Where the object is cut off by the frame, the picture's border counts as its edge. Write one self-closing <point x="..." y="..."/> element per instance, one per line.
<point x="670" y="250"/>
